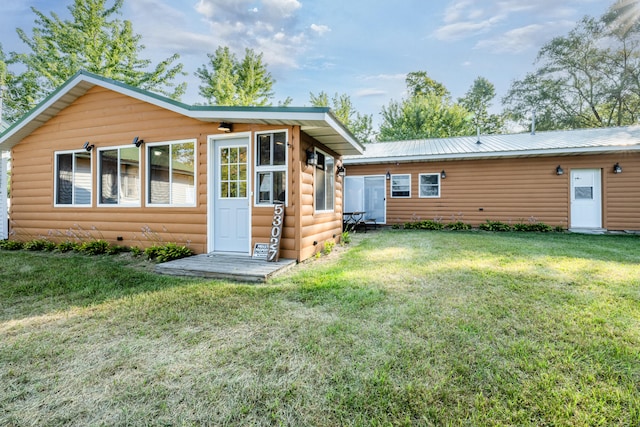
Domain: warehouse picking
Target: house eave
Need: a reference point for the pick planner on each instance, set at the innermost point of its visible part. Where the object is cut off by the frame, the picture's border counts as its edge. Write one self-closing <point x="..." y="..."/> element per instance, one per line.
<point x="318" y="122"/>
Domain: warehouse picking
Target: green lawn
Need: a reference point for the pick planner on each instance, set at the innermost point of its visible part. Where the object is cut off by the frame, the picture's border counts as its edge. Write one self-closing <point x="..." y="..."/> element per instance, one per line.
<point x="403" y="328"/>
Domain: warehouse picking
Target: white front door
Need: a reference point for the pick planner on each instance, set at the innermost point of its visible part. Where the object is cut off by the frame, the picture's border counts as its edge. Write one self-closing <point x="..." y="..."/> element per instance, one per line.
<point x="230" y="185"/>
<point x="586" y="198"/>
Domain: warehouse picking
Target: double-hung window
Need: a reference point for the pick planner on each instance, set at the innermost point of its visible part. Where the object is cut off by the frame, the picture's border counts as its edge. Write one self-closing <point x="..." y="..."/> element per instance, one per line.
<point x="73" y="178"/>
<point x="429" y="185"/>
<point x="271" y="168"/>
<point x="401" y="186"/>
<point x="171" y="173"/>
<point x="324" y="182"/>
<point x="119" y="171"/>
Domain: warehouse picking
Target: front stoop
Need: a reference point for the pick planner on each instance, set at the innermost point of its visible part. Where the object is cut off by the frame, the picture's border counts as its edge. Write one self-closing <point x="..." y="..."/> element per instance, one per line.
<point x="240" y="268"/>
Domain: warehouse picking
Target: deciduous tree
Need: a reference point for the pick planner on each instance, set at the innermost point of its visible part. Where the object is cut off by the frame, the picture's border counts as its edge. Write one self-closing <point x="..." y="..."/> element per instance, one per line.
<point x="95" y="41"/>
<point x="229" y="81"/>
<point x="360" y="125"/>
<point x="477" y="100"/>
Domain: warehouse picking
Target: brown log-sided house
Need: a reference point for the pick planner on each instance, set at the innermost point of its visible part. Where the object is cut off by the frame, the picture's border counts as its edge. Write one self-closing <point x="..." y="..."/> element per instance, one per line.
<point x="582" y="180"/>
<point x="99" y="159"/>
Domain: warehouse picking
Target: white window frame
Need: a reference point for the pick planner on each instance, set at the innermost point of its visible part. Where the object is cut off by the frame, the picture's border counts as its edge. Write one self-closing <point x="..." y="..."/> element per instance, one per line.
<point x="148" y="147"/>
<point x="262" y="169"/>
<point x="332" y="174"/>
<point x="73" y="203"/>
<point x="437" y="175"/>
<point x="391" y="189"/>
<point x="119" y="186"/>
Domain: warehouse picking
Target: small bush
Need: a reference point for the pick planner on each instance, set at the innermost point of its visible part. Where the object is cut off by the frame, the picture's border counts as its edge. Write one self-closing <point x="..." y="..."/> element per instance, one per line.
<point x="94" y="247"/>
<point x="494" y="226"/>
<point x="458" y="225"/>
<point x="116" y="249"/>
<point x="136" y="251"/>
<point x="39" y="245"/>
<point x="167" y="252"/>
<point x="328" y="246"/>
<point x="68" y="246"/>
<point x="559" y="229"/>
<point x="11" y="245"/>
<point x="424" y="225"/>
<point x="395" y="226"/>
<point x="346" y="238"/>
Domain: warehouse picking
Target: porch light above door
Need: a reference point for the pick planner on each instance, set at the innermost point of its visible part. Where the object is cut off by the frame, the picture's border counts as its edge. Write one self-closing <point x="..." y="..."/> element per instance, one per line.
<point x="559" y="170"/>
<point x="88" y="146"/>
<point x="340" y="171"/>
<point x="225" y="127"/>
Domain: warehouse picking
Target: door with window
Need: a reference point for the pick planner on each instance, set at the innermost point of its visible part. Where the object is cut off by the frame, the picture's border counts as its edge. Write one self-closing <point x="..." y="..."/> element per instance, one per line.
<point x="230" y="181"/>
<point x="586" y="198"/>
<point x="366" y="194"/>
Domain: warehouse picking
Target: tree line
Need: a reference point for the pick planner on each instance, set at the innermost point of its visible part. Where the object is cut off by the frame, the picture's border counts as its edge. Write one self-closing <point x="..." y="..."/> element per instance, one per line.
<point x="587" y="78"/>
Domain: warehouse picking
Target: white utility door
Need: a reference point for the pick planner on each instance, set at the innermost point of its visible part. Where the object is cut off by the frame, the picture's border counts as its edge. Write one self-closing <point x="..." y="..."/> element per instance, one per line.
<point x="586" y="198"/>
<point x="4" y="222"/>
<point x="230" y="182"/>
<point x="366" y="194"/>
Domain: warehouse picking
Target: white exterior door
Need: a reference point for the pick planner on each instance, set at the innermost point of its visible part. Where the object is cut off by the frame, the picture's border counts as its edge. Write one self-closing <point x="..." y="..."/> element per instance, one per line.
<point x="366" y="194"/>
<point x="4" y="222"/>
<point x="586" y="198"/>
<point x="229" y="181"/>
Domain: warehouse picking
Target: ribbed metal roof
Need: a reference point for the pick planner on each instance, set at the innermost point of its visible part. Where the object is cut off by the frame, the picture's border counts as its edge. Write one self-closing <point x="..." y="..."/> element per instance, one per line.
<point x="582" y="141"/>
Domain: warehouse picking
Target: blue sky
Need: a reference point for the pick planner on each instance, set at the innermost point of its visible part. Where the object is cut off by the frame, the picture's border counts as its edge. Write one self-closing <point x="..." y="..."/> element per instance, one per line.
<point x="363" y="48"/>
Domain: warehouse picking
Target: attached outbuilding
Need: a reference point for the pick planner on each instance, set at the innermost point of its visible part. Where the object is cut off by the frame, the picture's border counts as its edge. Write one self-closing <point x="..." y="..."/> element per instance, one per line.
<point x="581" y="179"/>
<point x="99" y="159"/>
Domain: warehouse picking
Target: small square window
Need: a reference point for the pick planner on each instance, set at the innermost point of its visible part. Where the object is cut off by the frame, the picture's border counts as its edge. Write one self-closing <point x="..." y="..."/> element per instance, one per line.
<point x="429" y="185"/>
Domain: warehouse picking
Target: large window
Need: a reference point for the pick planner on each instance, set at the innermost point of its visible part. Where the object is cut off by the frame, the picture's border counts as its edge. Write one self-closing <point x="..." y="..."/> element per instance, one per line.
<point x="429" y="185"/>
<point x="119" y="182"/>
<point x="73" y="178"/>
<point x="171" y="174"/>
<point x="271" y="168"/>
<point x="324" y="182"/>
<point x="400" y="185"/>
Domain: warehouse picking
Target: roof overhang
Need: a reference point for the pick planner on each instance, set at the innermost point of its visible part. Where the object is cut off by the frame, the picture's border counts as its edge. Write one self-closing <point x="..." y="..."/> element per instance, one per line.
<point x="317" y="122"/>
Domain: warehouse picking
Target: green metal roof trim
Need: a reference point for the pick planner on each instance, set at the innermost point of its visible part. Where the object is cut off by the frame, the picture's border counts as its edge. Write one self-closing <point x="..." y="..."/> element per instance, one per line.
<point x="318" y="122"/>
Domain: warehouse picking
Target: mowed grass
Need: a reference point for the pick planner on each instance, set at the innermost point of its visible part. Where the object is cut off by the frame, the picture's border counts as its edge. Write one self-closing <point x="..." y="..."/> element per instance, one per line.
<point x="403" y="328"/>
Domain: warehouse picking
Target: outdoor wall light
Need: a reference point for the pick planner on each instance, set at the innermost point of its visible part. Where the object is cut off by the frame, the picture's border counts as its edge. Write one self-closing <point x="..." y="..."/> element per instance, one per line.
<point x="87" y="146"/>
<point x="225" y="127"/>
<point x="388" y="175"/>
<point x="443" y="174"/>
<point x="312" y="159"/>
<point x="340" y="171"/>
<point x="617" y="168"/>
<point x="559" y="170"/>
<point x="137" y="142"/>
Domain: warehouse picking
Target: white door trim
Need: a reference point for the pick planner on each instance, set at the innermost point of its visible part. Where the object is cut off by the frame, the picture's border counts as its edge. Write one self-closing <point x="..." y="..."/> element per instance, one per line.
<point x="211" y="159"/>
<point x="586" y="213"/>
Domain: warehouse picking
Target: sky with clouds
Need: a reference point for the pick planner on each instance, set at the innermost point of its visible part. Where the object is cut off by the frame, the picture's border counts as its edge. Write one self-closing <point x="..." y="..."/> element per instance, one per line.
<point x="363" y="48"/>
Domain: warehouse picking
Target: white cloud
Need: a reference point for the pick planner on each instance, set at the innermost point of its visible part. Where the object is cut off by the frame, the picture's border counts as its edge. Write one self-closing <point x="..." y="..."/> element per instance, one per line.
<point x="524" y="38"/>
<point x="464" y="29"/>
<point x="320" y="29"/>
<point x="367" y="92"/>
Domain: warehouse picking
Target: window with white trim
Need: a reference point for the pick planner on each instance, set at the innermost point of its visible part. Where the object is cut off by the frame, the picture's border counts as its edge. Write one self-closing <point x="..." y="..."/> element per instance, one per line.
<point x="429" y="185"/>
<point x="271" y="168"/>
<point x="401" y="186"/>
<point x="73" y="179"/>
<point x="171" y="173"/>
<point x="324" y="182"/>
<point x="119" y="171"/>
